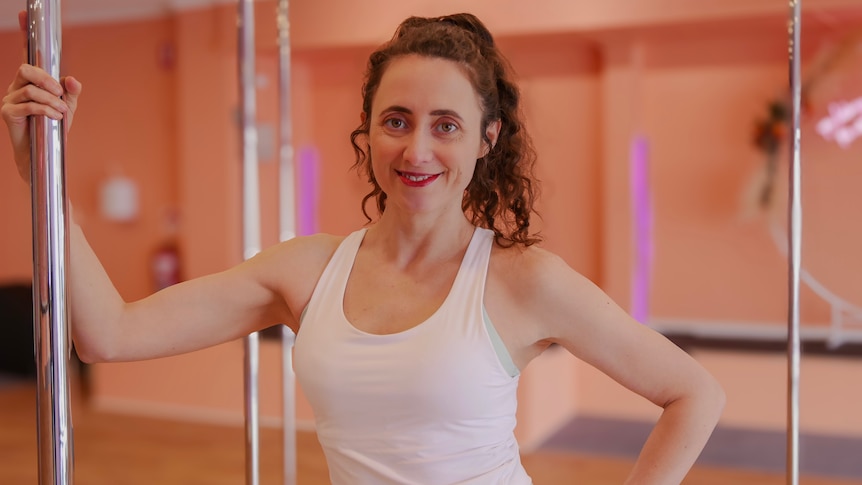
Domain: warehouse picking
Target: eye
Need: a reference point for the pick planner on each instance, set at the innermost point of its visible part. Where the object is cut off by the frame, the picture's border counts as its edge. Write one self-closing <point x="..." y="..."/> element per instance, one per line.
<point x="394" y="123"/>
<point x="447" y="127"/>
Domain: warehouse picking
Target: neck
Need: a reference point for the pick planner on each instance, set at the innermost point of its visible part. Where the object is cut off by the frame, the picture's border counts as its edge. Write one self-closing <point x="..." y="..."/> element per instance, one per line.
<point x="419" y="240"/>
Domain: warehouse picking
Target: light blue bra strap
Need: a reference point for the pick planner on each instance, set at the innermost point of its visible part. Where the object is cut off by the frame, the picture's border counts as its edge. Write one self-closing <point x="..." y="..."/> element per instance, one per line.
<point x="499" y="346"/>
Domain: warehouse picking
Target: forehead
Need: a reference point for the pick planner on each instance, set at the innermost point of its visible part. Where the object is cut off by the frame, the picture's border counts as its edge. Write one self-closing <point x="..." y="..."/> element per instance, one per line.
<point x="420" y="83"/>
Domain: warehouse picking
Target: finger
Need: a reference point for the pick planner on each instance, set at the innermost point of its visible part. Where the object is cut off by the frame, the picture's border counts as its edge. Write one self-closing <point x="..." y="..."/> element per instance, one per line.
<point x="72" y="85"/>
<point x="73" y="90"/>
<point x="28" y="74"/>
<point x="34" y="94"/>
<point x="19" y="112"/>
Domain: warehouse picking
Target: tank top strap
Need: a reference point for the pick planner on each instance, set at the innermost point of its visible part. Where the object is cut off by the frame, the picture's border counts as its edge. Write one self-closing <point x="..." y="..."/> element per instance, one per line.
<point x="333" y="281"/>
<point x="468" y="290"/>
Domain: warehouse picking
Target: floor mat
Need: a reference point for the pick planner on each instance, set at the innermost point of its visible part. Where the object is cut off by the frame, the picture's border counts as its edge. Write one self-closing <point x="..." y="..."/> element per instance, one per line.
<point x="828" y="456"/>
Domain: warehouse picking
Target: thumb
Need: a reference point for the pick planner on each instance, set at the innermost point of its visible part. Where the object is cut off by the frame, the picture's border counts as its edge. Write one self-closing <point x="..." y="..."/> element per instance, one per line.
<point x="72" y="89"/>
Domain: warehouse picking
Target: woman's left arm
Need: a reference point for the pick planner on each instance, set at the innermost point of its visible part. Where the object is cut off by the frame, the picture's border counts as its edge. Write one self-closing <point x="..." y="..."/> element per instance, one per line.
<point x="569" y="310"/>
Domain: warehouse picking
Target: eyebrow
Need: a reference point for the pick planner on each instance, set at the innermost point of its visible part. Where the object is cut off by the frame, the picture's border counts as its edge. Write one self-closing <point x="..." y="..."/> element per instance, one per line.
<point x="436" y="112"/>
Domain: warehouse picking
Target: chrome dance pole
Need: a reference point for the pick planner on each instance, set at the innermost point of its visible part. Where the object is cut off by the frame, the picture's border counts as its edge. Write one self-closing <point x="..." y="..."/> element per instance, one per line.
<point x="287" y="209"/>
<point x="795" y="243"/>
<point x="50" y="252"/>
<point x="251" y="227"/>
<point x="289" y="405"/>
<point x="287" y="230"/>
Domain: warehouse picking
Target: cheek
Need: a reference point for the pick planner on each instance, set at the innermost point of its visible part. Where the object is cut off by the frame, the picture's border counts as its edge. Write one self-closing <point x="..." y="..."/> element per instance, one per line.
<point x="377" y="165"/>
<point x="467" y="171"/>
<point x="380" y="145"/>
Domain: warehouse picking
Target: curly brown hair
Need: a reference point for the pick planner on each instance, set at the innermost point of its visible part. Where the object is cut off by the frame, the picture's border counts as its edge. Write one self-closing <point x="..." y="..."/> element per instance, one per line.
<point x="501" y="195"/>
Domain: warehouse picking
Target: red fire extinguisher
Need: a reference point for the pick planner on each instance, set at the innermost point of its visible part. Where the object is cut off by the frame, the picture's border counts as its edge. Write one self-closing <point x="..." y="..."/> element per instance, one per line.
<point x="165" y="261"/>
<point x="166" y="265"/>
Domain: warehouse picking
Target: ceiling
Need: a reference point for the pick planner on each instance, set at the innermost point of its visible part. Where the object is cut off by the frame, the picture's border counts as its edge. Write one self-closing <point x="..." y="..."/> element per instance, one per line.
<point x="95" y="11"/>
<point x="99" y="11"/>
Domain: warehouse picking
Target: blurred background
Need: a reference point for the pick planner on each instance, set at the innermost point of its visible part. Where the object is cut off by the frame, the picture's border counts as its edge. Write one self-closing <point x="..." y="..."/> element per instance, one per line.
<point x="661" y="129"/>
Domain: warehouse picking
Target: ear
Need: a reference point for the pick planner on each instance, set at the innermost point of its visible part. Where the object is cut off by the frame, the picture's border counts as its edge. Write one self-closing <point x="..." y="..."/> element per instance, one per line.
<point x="492" y="133"/>
<point x="362" y="117"/>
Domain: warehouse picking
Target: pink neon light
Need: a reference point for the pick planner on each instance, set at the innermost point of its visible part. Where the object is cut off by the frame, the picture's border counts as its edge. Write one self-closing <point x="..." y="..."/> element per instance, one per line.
<point x="642" y="221"/>
<point x="307" y="191"/>
<point x="843" y="124"/>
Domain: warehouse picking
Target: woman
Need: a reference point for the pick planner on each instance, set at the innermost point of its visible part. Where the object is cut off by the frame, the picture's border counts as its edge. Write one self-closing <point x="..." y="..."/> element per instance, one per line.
<point x="410" y="331"/>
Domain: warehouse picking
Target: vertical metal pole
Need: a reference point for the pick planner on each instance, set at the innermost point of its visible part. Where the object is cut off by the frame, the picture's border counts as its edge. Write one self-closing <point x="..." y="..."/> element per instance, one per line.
<point x="251" y="227"/>
<point x="287" y="210"/>
<point x="252" y="410"/>
<point x="50" y="252"/>
<point x="795" y="253"/>
<point x="287" y="230"/>
<point x="289" y="399"/>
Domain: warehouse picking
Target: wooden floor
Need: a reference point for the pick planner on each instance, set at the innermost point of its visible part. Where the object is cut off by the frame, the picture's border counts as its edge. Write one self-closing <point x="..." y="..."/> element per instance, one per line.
<point x="113" y="449"/>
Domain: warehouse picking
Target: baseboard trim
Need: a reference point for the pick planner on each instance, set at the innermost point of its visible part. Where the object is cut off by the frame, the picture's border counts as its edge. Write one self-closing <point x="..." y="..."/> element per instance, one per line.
<point x="769" y="337"/>
<point x="189" y="414"/>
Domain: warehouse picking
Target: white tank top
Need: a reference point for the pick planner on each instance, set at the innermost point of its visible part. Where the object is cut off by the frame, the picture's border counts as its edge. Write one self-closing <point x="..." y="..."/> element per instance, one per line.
<point x="432" y="405"/>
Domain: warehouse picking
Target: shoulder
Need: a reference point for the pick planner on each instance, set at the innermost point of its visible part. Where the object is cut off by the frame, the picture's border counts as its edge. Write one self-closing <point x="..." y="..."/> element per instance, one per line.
<point x="528" y="270"/>
<point x="292" y="268"/>
<point x="542" y="289"/>
<point x="315" y="248"/>
<point x="303" y="252"/>
<point x="529" y="293"/>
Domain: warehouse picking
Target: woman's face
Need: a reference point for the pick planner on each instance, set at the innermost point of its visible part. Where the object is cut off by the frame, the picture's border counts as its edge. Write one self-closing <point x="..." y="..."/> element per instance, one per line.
<point x="425" y="134"/>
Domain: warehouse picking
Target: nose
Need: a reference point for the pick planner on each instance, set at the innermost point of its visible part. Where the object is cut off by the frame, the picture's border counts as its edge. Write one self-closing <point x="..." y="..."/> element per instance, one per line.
<point x="418" y="148"/>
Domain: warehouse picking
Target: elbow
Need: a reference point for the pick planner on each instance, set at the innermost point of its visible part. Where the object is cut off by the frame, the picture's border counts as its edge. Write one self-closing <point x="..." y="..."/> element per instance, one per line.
<point x="722" y="399"/>
<point x="87" y="358"/>
<point x="713" y="397"/>
<point x="87" y="355"/>
<point x="716" y="392"/>
<point x="90" y="352"/>
<point x="722" y="396"/>
<point x="705" y="398"/>
<point x="95" y="343"/>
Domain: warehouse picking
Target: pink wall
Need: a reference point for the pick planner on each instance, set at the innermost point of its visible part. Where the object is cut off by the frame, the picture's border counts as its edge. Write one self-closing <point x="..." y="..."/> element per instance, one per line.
<point x="701" y="99"/>
<point x="334" y="23"/>
<point x="173" y="129"/>
<point x="125" y="126"/>
<point x="561" y="94"/>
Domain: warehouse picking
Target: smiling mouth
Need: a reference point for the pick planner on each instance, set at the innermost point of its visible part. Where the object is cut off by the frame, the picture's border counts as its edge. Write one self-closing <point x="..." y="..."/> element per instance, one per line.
<point x="415" y="179"/>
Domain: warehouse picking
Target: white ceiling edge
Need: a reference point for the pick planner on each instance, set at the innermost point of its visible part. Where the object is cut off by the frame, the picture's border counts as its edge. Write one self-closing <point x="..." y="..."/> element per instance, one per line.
<point x="108" y="11"/>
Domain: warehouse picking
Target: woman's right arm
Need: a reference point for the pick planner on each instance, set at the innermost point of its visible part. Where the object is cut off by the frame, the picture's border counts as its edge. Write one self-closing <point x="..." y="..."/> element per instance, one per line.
<point x="188" y="316"/>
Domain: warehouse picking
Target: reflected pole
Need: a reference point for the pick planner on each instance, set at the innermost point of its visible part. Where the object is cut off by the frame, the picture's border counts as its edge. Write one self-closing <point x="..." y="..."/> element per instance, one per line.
<point x="287" y="230"/>
<point x="251" y="227"/>
<point x="50" y="254"/>
<point x="795" y="245"/>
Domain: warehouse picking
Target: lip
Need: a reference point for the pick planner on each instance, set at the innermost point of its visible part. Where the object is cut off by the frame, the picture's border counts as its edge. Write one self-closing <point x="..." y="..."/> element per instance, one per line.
<point x="413" y="179"/>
